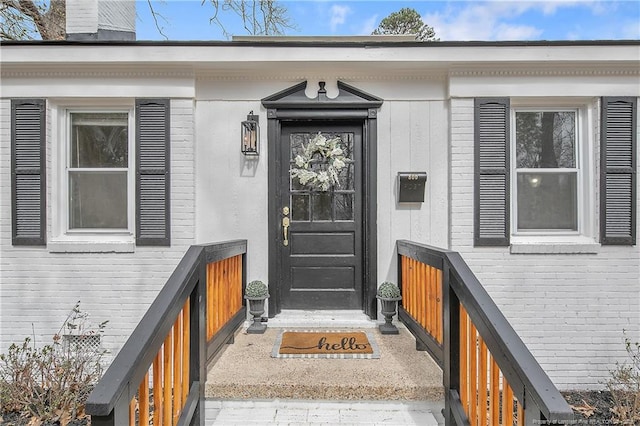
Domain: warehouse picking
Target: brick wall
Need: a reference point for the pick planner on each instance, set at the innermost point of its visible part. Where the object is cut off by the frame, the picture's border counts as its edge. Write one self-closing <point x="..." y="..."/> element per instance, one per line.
<point x="82" y="16"/>
<point x="569" y="309"/>
<point x="38" y="288"/>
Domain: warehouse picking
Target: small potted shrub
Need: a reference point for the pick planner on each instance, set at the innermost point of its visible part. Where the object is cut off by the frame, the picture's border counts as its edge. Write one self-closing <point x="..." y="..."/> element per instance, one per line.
<point x="389" y="295"/>
<point x="256" y="293"/>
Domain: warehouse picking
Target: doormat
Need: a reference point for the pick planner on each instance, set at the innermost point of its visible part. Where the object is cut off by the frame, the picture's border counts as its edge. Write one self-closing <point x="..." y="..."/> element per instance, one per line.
<point x="325" y="344"/>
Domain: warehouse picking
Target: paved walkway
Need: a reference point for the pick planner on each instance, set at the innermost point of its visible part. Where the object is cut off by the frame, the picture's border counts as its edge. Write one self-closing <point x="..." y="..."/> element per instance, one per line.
<point x="292" y="412"/>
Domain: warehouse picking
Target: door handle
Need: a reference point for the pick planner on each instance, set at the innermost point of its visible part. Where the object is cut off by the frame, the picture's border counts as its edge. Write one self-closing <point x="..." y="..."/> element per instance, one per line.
<point x="285" y="230"/>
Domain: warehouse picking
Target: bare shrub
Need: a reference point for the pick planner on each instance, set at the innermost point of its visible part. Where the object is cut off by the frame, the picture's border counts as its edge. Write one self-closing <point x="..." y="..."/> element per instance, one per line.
<point x="51" y="383"/>
<point x="624" y="385"/>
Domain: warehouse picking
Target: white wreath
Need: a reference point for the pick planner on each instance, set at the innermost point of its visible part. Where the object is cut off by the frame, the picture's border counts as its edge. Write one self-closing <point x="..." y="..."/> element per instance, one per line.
<point x="332" y="155"/>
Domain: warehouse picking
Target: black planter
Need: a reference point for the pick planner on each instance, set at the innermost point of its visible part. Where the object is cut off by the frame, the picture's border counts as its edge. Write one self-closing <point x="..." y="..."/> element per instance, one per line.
<point x="389" y="309"/>
<point x="256" y="308"/>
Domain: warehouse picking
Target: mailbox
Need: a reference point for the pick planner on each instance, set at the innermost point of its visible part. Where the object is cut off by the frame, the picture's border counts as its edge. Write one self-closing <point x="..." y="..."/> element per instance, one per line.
<point x="411" y="187"/>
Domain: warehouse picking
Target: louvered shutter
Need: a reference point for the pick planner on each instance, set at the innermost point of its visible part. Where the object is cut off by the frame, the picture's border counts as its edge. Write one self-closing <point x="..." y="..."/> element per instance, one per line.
<point x="618" y="171"/>
<point x="491" y="172"/>
<point x="152" y="172"/>
<point x="28" y="179"/>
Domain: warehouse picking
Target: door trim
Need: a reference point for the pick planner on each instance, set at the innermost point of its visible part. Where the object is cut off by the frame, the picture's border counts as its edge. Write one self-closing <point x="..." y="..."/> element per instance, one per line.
<point x="293" y="105"/>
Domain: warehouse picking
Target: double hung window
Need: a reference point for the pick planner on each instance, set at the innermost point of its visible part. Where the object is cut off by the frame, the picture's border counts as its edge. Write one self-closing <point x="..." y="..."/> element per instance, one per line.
<point x="98" y="171"/>
<point x="547" y="174"/>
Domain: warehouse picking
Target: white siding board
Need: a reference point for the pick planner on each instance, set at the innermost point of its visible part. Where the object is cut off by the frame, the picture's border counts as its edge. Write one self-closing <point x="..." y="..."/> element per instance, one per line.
<point x="385" y="195"/>
<point x="117" y="15"/>
<point x="231" y="191"/>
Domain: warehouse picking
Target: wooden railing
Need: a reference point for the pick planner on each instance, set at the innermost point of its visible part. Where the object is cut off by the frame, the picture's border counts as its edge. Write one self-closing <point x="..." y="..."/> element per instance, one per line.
<point x="489" y="375"/>
<point x="159" y="373"/>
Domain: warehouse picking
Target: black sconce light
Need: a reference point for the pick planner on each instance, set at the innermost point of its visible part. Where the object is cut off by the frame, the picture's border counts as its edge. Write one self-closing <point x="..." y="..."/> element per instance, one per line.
<point x="250" y="135"/>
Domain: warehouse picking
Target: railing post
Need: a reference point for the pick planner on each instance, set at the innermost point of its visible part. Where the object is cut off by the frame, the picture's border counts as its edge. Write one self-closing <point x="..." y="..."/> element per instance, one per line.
<point x="451" y="325"/>
<point x="118" y="416"/>
<point x="199" y="338"/>
<point x="532" y="414"/>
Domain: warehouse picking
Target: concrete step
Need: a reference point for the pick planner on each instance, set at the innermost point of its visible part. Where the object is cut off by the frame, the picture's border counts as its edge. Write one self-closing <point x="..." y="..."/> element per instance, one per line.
<point x="298" y="412"/>
<point x="322" y="319"/>
<point x="245" y="370"/>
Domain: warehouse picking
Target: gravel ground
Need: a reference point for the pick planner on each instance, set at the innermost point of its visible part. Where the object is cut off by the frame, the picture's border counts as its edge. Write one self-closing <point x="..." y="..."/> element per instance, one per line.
<point x="13" y="419"/>
<point x="590" y="407"/>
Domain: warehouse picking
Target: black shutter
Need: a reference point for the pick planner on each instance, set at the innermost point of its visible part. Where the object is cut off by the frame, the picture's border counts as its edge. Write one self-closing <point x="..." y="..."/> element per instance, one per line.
<point x="618" y="171"/>
<point x="152" y="172"/>
<point x="28" y="177"/>
<point x="491" y="172"/>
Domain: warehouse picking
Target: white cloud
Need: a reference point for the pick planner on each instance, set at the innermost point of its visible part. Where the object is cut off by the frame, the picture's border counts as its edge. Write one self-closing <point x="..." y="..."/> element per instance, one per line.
<point x="517" y="32"/>
<point x="506" y="20"/>
<point x="338" y="16"/>
<point x="631" y="30"/>
<point x="486" y="21"/>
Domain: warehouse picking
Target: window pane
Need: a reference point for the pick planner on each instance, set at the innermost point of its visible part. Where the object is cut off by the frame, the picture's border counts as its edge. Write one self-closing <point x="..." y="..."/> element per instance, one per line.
<point x="321" y="206"/>
<point x="300" y="207"/>
<point x="99" y="140"/>
<point x="344" y="206"/>
<point x="547" y="201"/>
<point x="98" y="200"/>
<point x="545" y="139"/>
<point x="346" y="177"/>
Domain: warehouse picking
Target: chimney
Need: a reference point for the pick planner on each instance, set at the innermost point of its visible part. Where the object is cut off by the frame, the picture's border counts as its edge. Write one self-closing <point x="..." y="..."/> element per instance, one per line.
<point x="113" y="20"/>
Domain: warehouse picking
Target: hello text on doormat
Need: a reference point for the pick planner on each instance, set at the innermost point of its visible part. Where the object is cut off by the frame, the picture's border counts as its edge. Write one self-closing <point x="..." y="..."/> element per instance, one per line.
<point x="325" y="344"/>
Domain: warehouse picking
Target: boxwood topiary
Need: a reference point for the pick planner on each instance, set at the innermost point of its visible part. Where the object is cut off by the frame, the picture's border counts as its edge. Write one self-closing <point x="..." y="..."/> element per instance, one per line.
<point x="256" y="289"/>
<point x="389" y="290"/>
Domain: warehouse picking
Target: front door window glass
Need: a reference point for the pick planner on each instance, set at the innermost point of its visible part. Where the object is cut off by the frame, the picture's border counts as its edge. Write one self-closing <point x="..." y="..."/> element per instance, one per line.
<point x="313" y="204"/>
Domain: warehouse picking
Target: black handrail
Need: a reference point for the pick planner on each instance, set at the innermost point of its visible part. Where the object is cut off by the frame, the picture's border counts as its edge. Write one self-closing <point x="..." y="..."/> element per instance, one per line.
<point x="531" y="385"/>
<point x="108" y="403"/>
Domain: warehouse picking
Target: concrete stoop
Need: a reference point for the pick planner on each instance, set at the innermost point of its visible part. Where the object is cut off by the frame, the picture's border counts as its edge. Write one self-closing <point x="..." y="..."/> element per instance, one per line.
<point x="401" y="381"/>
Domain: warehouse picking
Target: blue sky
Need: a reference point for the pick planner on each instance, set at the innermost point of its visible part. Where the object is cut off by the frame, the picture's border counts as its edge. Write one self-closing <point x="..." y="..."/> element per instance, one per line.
<point x="452" y="20"/>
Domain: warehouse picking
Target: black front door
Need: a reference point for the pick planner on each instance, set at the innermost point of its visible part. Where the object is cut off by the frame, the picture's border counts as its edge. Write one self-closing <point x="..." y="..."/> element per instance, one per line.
<point x="320" y="215"/>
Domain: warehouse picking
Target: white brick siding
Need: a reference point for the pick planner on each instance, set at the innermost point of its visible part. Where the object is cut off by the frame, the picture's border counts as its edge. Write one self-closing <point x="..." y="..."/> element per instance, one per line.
<point x="38" y="288"/>
<point x="569" y="309"/>
<point x="82" y="16"/>
<point x="87" y="16"/>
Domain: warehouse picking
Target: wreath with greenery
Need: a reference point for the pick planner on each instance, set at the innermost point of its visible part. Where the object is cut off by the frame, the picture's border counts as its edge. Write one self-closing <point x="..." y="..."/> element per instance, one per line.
<point x="328" y="158"/>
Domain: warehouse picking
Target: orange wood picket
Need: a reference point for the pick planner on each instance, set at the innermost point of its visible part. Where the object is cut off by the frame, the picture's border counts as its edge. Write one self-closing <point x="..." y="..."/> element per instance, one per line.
<point x="224" y="292"/>
<point x="422" y="295"/>
<point x="485" y="394"/>
<point x="168" y="377"/>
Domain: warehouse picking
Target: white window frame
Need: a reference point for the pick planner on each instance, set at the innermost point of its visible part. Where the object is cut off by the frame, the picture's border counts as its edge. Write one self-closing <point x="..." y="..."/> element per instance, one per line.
<point x="63" y="238"/>
<point x="583" y="239"/>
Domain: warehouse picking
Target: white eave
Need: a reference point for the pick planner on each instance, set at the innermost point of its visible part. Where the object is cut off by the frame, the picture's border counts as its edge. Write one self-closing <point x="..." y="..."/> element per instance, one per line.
<point x="403" y="55"/>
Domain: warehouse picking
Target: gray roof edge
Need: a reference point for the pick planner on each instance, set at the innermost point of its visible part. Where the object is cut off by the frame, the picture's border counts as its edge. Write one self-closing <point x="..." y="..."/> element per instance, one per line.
<point x="348" y="42"/>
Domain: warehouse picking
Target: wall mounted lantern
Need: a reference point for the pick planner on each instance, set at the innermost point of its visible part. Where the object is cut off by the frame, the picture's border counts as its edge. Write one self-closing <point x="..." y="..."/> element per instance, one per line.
<point x="250" y="135"/>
